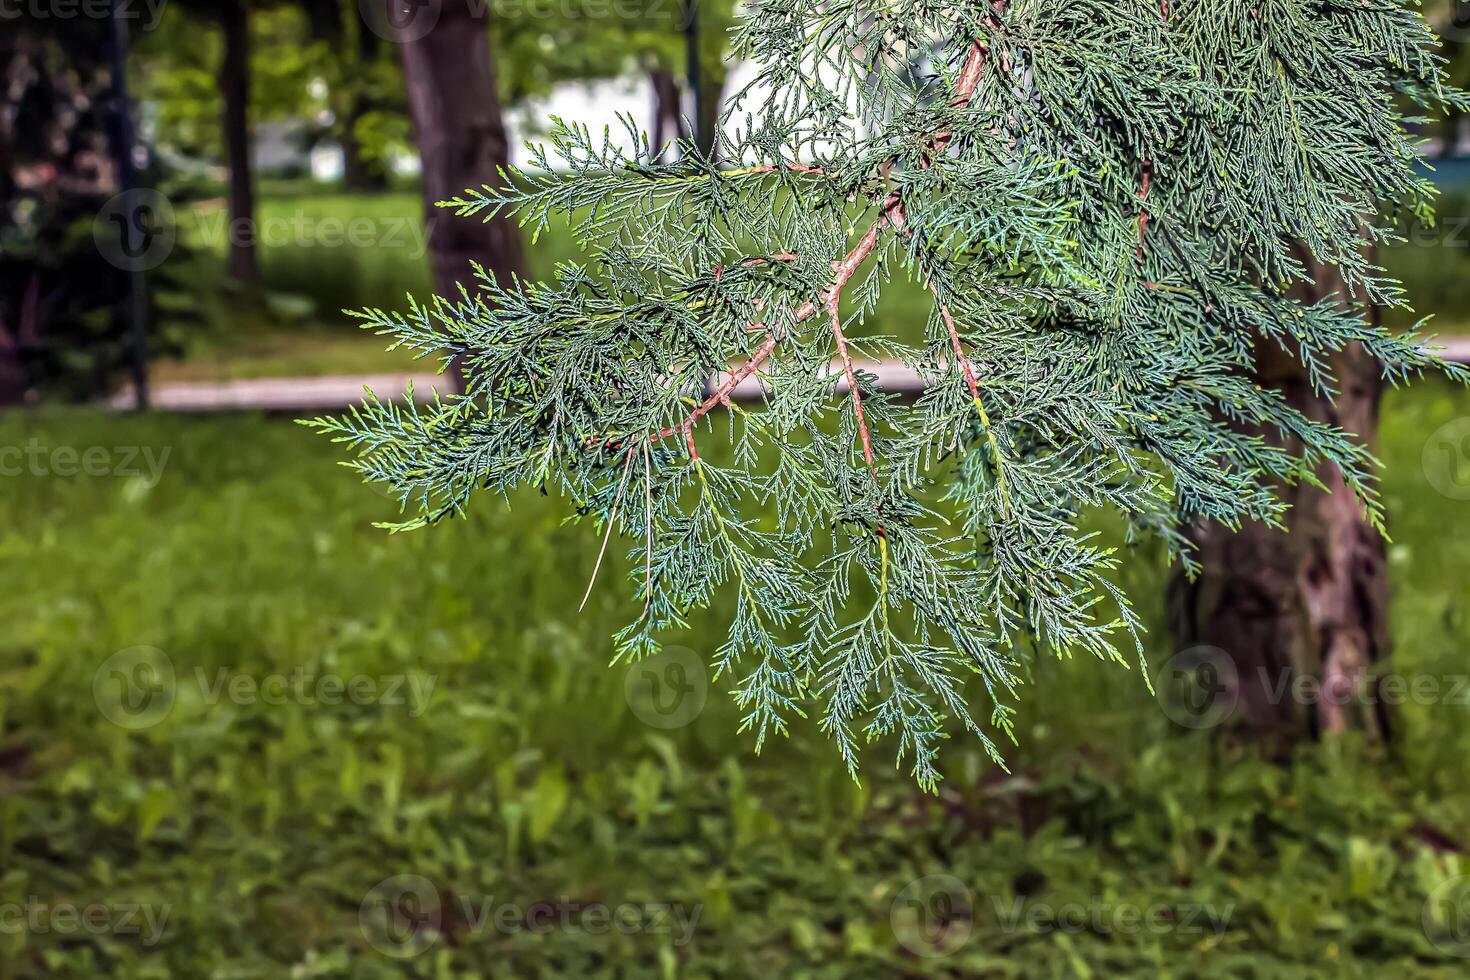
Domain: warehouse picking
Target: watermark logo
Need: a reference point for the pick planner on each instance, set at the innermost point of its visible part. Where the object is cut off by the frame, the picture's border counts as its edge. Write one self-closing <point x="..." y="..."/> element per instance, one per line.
<point x="135" y="688"/>
<point x="402" y="916"/>
<point x="933" y="916"/>
<point x="1201" y="688"/>
<point x="1446" y="917"/>
<point x="1446" y="459"/>
<point x="1198" y="687"/>
<point x="135" y="231"/>
<point x="667" y="690"/>
<point x="404" y="21"/>
<point x="401" y="21"/>
<point x="1444" y="231"/>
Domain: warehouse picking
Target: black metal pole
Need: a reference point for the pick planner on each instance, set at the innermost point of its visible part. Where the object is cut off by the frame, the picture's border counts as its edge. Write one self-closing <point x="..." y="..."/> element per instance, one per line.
<point x="691" y="56"/>
<point x="124" y="143"/>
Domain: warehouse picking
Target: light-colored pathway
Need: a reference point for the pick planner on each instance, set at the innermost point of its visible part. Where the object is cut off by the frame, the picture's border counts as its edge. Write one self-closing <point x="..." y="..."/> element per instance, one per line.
<point x="328" y="394"/>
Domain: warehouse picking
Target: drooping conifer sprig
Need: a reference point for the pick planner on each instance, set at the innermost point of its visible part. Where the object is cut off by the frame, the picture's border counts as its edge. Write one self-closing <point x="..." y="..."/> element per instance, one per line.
<point x="1108" y="203"/>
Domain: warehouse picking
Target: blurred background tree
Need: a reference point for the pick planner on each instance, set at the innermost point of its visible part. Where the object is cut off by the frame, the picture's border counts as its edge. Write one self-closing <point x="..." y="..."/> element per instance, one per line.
<point x="587" y="41"/>
<point x="1314" y="603"/>
<point x="63" y="328"/>
<point x="1451" y="20"/>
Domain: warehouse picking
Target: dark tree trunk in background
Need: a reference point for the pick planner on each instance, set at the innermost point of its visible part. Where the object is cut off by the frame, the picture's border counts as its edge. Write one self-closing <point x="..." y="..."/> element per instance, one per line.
<point x="357" y="173"/>
<point x="668" y="121"/>
<point x="1452" y="48"/>
<point x="1453" y="122"/>
<point x="712" y="87"/>
<point x="454" y="103"/>
<point x="455" y="107"/>
<point x="234" y="82"/>
<point x="1311" y="603"/>
<point x="706" y="77"/>
<point x="324" y="19"/>
<point x="12" y="377"/>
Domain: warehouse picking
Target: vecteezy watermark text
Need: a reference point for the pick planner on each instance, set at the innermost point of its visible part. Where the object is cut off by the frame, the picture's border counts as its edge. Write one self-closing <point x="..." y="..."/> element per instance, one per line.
<point x="302" y="230"/>
<point x="1202" y="687"/>
<point x="137" y="231"/>
<point x="39" y="918"/>
<point x="138" y="687"/>
<point x="148" y="12"/>
<point x="300" y="686"/>
<point x="934" y="916"/>
<point x="37" y="458"/>
<point x="405" y="915"/>
<point x="1101" y="916"/>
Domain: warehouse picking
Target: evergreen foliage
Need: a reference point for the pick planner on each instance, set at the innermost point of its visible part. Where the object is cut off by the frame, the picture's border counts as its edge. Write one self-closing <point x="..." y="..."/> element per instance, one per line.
<point x="1109" y="201"/>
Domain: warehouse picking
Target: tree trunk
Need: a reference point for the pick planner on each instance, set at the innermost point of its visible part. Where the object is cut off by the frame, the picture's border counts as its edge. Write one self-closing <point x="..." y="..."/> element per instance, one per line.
<point x="12" y="379"/>
<point x="234" y="83"/>
<point x="454" y="104"/>
<point x="12" y="375"/>
<point x="1452" y="49"/>
<point x="1302" y="615"/>
<point x="1453" y="121"/>
<point x="667" y="119"/>
<point x="357" y="173"/>
<point x="712" y="86"/>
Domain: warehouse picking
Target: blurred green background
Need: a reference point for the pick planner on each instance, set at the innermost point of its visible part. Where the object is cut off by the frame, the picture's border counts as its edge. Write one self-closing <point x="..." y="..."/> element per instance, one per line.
<point x="178" y="752"/>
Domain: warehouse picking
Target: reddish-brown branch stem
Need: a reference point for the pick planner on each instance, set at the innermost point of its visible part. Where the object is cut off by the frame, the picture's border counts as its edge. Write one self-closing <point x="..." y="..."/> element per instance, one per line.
<point x="959" y="352"/>
<point x="1145" y="182"/>
<point x="771" y="168"/>
<point x="996" y="456"/>
<point x="892" y="214"/>
<point x="835" y="316"/>
<point x="843" y="270"/>
<point x="722" y="393"/>
<point x="965" y="86"/>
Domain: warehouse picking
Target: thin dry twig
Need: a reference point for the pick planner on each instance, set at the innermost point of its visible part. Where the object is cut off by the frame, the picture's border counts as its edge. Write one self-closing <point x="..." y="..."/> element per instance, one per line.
<point x="611" y="521"/>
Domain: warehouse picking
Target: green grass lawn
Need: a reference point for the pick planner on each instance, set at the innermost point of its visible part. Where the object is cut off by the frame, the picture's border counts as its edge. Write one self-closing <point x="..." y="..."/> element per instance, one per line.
<point x="242" y="821"/>
<point x="273" y="351"/>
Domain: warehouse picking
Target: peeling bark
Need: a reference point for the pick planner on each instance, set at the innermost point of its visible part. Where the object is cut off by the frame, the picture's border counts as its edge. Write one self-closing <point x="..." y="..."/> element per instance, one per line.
<point x="1310" y="604"/>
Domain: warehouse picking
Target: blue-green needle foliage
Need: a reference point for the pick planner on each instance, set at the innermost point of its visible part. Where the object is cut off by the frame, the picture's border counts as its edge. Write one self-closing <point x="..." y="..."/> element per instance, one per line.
<point x="1109" y="201"/>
